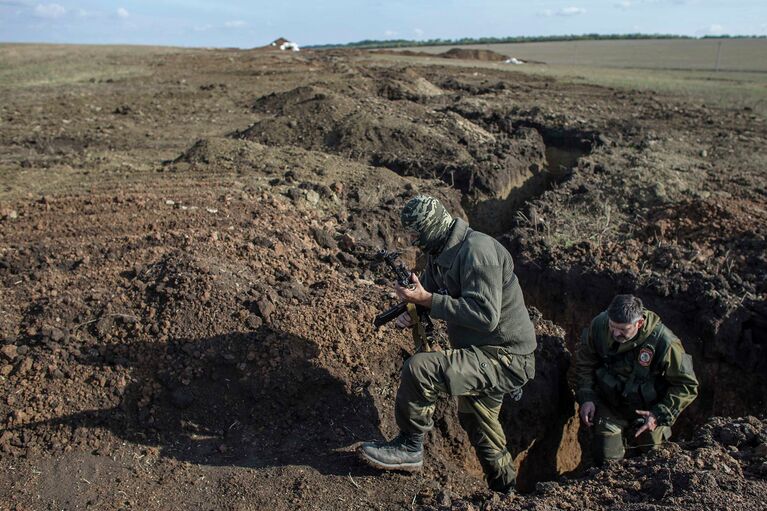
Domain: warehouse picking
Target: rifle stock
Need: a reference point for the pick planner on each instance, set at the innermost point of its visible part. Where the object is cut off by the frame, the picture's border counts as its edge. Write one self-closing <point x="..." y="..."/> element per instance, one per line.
<point x="390" y="314"/>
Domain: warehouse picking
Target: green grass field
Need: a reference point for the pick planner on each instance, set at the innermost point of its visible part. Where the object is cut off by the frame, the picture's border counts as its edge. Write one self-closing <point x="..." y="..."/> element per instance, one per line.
<point x="30" y="65"/>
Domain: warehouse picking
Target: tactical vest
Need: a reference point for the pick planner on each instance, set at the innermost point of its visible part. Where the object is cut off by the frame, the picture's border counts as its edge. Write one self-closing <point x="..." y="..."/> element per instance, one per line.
<point x="631" y="379"/>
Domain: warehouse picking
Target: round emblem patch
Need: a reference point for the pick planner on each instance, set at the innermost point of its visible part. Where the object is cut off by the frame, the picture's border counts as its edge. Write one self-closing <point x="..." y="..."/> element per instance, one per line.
<point x="645" y="357"/>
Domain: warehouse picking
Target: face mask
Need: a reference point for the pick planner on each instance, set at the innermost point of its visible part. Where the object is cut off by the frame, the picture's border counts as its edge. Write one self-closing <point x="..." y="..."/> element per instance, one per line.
<point x="427" y="217"/>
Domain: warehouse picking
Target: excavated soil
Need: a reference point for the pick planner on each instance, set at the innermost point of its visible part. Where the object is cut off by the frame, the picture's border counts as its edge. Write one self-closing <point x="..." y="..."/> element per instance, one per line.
<point x="466" y="54"/>
<point x="453" y="53"/>
<point x="188" y="280"/>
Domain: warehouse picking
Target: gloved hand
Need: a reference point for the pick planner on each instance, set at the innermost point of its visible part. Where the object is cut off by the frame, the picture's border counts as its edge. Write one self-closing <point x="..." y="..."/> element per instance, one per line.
<point x="516" y="394"/>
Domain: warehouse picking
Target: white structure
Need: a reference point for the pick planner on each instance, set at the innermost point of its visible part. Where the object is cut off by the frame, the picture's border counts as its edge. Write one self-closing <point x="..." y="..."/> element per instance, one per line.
<point x="283" y="44"/>
<point x="287" y="45"/>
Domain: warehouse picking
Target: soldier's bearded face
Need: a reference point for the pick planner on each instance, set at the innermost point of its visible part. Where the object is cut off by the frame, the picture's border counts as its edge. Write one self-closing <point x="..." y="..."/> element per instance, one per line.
<point x="624" y="332"/>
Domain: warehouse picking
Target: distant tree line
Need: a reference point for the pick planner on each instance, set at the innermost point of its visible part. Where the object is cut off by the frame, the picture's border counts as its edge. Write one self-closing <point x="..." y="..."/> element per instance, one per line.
<point x="403" y="43"/>
<point x="734" y="37"/>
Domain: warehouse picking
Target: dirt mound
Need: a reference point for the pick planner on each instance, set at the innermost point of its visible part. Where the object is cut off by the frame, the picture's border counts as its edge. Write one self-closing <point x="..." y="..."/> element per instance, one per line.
<point x="466" y="54"/>
<point x="483" y="165"/>
<point x="707" y="231"/>
<point x="722" y="468"/>
<point x="453" y="53"/>
<point x="407" y="53"/>
<point x="228" y="347"/>
<point x="187" y="343"/>
<point x="323" y="182"/>
<point x="405" y="84"/>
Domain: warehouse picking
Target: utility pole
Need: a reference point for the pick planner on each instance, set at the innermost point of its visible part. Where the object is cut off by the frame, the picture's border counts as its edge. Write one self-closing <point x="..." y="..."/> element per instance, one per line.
<point x="718" y="54"/>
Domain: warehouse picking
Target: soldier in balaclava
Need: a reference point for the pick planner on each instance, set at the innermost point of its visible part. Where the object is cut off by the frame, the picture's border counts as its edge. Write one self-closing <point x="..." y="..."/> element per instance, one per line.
<point x="468" y="282"/>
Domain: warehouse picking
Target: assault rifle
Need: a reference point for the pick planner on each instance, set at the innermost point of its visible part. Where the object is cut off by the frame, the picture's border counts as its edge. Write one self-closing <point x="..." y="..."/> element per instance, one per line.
<point x="422" y="327"/>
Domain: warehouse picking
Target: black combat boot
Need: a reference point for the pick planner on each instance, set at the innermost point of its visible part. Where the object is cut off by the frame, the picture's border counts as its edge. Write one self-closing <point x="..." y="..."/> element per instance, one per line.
<point x="502" y="479"/>
<point x="504" y="487"/>
<point x="403" y="452"/>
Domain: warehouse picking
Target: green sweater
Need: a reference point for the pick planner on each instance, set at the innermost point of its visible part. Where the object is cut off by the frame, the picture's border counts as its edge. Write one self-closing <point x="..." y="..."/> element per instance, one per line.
<point x="477" y="293"/>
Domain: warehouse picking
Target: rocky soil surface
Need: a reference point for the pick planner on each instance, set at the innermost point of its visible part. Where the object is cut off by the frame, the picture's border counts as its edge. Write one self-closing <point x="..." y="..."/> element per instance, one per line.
<point x="188" y="280"/>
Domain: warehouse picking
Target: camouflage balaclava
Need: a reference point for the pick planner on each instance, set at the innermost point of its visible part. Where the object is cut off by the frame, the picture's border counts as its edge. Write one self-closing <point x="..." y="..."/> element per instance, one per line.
<point x="428" y="217"/>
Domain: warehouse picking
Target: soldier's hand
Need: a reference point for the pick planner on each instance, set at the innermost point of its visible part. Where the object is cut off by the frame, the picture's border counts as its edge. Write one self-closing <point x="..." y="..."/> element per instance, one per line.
<point x="587" y="413"/>
<point x="404" y="320"/>
<point x="416" y="293"/>
<point x="650" y="422"/>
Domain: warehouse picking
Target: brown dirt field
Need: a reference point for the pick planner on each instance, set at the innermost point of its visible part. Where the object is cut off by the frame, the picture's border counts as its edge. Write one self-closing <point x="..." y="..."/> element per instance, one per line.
<point x="187" y="280"/>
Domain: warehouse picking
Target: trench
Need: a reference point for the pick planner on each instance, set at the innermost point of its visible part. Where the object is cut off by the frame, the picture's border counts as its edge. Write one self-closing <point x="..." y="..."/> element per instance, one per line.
<point x="549" y="446"/>
<point x="732" y="381"/>
<point x="729" y="386"/>
<point x="562" y="151"/>
<point x="730" y="354"/>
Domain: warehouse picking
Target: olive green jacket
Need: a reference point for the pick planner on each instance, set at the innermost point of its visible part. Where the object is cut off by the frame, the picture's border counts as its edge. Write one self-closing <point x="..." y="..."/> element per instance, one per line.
<point x="668" y="368"/>
<point x="477" y="293"/>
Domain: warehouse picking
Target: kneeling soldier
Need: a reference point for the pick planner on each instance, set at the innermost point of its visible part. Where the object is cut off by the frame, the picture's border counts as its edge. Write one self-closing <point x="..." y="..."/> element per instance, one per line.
<point x="633" y="379"/>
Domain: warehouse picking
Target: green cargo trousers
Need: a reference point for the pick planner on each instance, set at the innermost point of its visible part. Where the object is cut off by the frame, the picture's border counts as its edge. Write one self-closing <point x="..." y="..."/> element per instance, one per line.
<point x="613" y="433"/>
<point x="479" y="376"/>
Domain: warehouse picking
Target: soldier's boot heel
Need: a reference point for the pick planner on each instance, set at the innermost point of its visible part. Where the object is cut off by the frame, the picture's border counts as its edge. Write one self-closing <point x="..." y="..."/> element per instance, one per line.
<point x="403" y="452"/>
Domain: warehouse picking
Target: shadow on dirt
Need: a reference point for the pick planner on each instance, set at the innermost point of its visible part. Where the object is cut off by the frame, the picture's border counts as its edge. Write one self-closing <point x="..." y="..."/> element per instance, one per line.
<point x="252" y="399"/>
<point x="541" y="425"/>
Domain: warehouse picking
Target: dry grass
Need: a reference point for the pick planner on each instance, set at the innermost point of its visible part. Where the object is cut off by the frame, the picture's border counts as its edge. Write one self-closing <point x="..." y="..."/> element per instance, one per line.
<point x="31" y="65"/>
<point x="683" y="68"/>
<point x="684" y="54"/>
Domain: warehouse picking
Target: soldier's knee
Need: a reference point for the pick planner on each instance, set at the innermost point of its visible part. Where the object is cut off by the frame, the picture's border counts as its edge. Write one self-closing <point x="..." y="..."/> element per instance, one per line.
<point x="608" y="447"/>
<point x="662" y="434"/>
<point x="653" y="440"/>
<point x="417" y="367"/>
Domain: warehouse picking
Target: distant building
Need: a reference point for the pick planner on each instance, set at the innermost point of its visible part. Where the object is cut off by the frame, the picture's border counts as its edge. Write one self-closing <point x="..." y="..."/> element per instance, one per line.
<point x="284" y="44"/>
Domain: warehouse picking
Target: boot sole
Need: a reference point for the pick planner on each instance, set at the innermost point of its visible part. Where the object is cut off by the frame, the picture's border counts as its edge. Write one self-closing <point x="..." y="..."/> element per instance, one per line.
<point x="406" y="467"/>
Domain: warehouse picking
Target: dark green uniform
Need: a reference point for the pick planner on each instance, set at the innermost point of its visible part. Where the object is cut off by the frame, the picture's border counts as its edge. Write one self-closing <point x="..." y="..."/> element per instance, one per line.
<point x="650" y="372"/>
<point x="493" y="340"/>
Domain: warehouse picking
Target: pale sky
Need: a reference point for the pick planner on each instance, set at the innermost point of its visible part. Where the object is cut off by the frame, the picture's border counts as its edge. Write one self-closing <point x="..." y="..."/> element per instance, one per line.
<point x="246" y="24"/>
